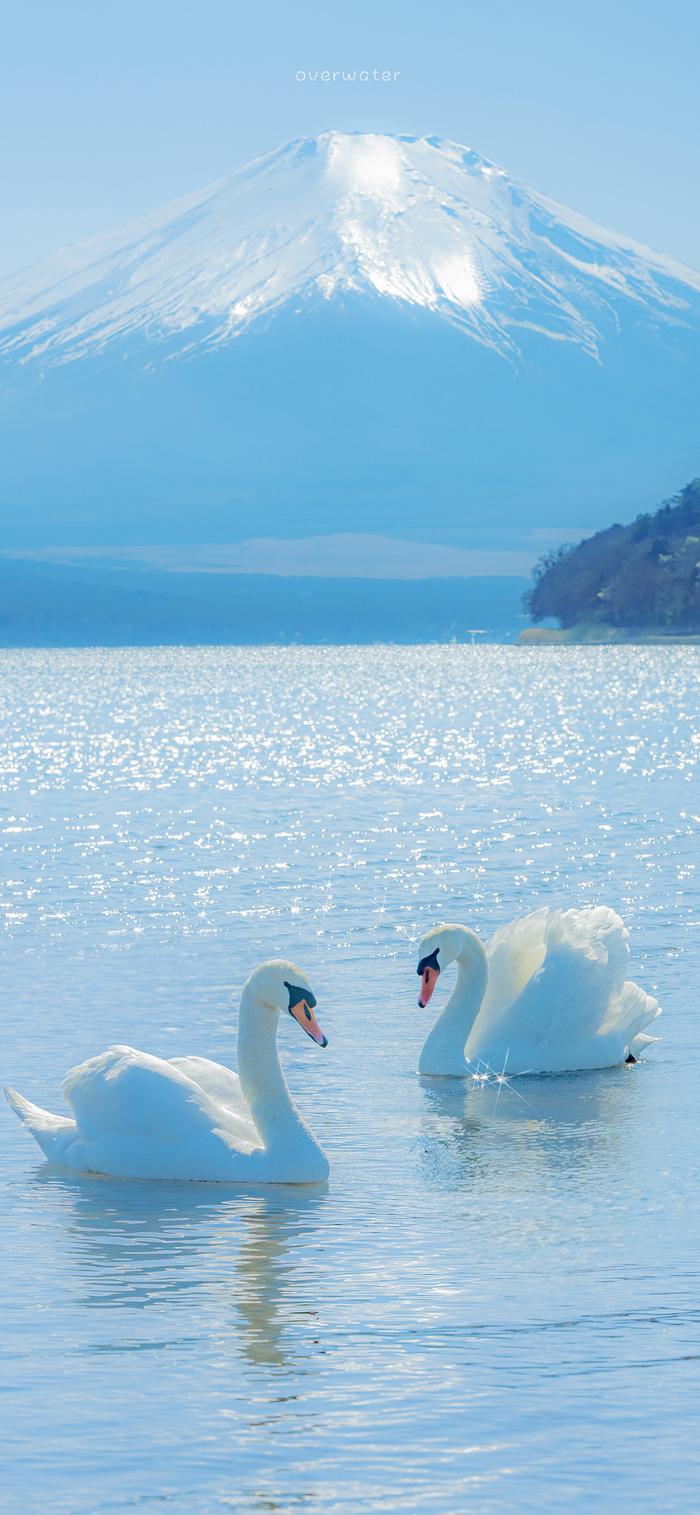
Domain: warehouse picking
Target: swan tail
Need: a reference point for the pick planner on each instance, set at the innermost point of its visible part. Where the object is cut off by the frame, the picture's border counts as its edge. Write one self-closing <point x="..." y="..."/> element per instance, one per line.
<point x="639" y="1043"/>
<point x="53" y="1133"/>
<point x="634" y="1011"/>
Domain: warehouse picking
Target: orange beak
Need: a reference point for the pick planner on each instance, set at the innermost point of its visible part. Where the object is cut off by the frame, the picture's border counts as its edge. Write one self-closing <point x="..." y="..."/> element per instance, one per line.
<point x="308" y="1022"/>
<point x="429" y="978"/>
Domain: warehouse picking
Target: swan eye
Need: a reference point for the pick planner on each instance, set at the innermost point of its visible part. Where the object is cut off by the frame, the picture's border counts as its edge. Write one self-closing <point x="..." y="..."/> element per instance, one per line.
<point x="426" y="963"/>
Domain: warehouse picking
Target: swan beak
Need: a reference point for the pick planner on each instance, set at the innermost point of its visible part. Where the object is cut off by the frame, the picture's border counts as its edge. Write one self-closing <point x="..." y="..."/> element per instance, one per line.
<point x="429" y="978"/>
<point x="303" y="1013"/>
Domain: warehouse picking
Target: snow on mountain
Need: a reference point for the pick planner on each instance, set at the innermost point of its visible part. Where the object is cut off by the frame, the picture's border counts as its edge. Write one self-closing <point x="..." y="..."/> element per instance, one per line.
<point x="422" y="222"/>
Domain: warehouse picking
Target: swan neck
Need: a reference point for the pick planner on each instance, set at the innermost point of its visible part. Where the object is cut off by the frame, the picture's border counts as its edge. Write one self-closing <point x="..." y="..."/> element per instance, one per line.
<point x="464" y="1003"/>
<point x="443" y="1052"/>
<point x="262" y="1081"/>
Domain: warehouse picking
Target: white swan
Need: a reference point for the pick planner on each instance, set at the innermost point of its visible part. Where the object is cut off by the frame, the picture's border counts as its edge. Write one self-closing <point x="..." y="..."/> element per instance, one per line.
<point x="138" y="1116"/>
<point x="546" y="994"/>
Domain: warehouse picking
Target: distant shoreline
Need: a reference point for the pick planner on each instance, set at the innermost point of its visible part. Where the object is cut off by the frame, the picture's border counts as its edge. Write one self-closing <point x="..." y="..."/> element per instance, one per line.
<point x="604" y="636"/>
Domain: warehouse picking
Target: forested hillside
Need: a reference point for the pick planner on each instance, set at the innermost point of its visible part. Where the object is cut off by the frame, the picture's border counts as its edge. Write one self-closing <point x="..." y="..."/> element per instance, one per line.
<point x="646" y="575"/>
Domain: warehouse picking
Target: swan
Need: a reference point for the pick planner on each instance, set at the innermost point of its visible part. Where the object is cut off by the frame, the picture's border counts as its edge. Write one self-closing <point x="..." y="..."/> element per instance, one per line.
<point x="138" y="1116"/>
<point x="546" y="994"/>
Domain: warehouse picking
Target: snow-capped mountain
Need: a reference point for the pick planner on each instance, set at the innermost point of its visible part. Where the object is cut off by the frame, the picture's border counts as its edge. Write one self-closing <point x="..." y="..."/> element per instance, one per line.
<point x="420" y="221"/>
<point x="367" y="334"/>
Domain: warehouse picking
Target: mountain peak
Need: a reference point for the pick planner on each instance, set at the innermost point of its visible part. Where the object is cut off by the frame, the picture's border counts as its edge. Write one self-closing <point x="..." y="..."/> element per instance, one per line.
<point x="422" y="221"/>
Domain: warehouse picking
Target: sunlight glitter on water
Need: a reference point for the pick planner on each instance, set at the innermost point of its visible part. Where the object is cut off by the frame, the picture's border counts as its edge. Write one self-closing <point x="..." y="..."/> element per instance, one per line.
<point x="309" y="716"/>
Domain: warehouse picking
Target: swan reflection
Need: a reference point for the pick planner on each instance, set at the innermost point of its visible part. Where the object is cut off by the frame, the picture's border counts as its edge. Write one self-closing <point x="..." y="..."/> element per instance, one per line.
<point x="508" y="1131"/>
<point x="152" y="1247"/>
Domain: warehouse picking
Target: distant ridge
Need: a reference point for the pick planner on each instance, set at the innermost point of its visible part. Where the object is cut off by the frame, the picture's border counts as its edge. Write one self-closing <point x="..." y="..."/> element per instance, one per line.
<point x="48" y="606"/>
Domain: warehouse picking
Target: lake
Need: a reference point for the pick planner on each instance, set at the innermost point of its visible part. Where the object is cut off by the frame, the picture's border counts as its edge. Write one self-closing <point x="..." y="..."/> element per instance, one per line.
<point x="495" y="1303"/>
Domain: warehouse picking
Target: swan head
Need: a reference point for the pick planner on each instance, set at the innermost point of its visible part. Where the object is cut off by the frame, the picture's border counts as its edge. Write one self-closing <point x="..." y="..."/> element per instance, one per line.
<point x="279" y="985"/>
<point x="440" y="947"/>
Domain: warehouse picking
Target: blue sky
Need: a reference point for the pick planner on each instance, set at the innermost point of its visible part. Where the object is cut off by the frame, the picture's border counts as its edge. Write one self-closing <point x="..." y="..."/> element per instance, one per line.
<point x="107" y="110"/>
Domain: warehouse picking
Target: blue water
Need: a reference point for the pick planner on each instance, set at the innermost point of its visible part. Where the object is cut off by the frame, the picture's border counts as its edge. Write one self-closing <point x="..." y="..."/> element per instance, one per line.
<point x="495" y="1305"/>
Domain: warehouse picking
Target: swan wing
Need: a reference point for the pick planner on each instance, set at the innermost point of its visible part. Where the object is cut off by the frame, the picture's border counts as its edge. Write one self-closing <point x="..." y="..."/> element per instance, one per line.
<point x="514" y="953"/>
<point x="569" y="998"/>
<point x="141" y="1116"/>
<point x="124" y="1089"/>
<point x="576" y="1009"/>
<point x="221" y="1085"/>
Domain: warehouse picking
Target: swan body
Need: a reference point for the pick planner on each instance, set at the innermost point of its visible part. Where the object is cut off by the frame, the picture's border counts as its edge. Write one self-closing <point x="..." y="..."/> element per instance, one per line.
<point x="138" y="1116"/>
<point x="546" y="994"/>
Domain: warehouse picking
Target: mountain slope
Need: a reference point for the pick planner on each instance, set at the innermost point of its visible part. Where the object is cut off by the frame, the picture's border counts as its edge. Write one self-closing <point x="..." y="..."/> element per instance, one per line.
<point x="374" y="334"/>
<point x="424" y="222"/>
